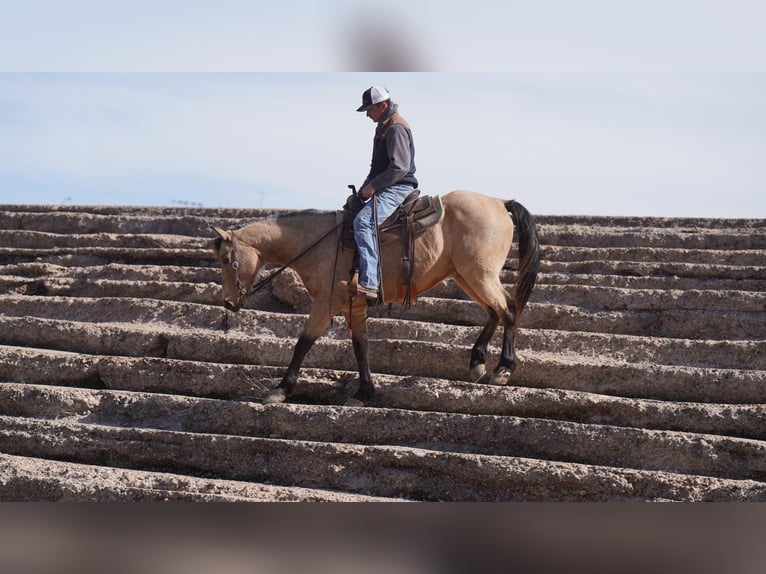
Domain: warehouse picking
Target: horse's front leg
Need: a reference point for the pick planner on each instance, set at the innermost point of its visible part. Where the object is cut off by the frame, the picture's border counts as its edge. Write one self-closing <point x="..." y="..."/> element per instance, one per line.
<point x="359" y="340"/>
<point x="290" y="379"/>
<point x="315" y="326"/>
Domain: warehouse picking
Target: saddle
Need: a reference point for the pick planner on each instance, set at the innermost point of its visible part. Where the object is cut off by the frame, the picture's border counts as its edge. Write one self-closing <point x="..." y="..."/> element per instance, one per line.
<point x="416" y="212"/>
<point x="411" y="218"/>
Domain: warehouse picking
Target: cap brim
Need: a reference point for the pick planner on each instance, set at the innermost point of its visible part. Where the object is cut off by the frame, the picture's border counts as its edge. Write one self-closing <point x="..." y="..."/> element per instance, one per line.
<point x="364" y="108"/>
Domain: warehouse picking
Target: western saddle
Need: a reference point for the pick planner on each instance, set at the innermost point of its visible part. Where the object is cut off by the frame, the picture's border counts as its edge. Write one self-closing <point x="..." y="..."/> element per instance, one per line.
<point x="409" y="220"/>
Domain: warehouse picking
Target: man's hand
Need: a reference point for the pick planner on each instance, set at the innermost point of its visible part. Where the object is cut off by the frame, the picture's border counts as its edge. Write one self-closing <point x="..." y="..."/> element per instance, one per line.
<point x="367" y="192"/>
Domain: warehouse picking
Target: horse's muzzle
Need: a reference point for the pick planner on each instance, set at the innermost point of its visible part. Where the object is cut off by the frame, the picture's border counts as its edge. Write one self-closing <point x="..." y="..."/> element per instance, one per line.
<point x="231" y="306"/>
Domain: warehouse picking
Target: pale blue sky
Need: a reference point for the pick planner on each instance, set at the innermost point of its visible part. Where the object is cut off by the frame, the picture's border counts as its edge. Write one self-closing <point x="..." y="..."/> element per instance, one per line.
<point x="605" y="110"/>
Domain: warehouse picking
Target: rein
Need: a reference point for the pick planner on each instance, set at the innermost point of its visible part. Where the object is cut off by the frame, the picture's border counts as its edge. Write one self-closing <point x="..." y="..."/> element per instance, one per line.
<point x="266" y="280"/>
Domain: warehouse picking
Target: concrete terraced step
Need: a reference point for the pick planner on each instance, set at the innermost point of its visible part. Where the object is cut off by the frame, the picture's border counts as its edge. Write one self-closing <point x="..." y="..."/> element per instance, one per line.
<point x="322" y="386"/>
<point x="116" y="272"/>
<point x="33" y="479"/>
<point x="140" y="219"/>
<point x="685" y="237"/>
<point x="663" y="313"/>
<point x="189" y="292"/>
<point x="448" y="289"/>
<point x="389" y="471"/>
<point x="44" y="240"/>
<point x="25" y="246"/>
<point x="126" y="219"/>
<point x="584" y="243"/>
<point x="696" y="224"/>
<point x="655" y="281"/>
<point x="188" y="326"/>
<point x="739" y="257"/>
<point x="751" y="272"/>
<point x="104" y="255"/>
<point x="588" y="296"/>
<point x="396" y="356"/>
<point x="582" y="235"/>
<point x="565" y="441"/>
<point x="747" y="266"/>
<point x="560" y="367"/>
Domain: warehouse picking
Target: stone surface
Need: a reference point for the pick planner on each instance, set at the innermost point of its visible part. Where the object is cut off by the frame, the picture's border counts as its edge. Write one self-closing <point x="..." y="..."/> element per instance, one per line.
<point x="642" y="371"/>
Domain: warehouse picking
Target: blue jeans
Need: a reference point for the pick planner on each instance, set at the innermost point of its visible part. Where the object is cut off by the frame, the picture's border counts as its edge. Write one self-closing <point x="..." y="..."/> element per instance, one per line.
<point x="389" y="198"/>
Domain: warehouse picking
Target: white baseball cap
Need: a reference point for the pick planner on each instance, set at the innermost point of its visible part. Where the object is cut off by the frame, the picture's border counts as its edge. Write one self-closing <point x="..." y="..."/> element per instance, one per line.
<point x="372" y="96"/>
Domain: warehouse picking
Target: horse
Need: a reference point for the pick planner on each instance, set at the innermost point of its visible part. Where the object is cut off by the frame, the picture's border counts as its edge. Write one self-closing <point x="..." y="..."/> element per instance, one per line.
<point x="470" y="244"/>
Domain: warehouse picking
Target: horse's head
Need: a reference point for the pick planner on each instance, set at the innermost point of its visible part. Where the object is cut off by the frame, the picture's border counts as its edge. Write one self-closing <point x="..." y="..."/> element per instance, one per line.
<point x="239" y="266"/>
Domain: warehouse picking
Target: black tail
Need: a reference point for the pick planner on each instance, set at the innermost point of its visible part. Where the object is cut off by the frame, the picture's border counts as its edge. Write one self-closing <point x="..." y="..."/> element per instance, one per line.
<point x="529" y="253"/>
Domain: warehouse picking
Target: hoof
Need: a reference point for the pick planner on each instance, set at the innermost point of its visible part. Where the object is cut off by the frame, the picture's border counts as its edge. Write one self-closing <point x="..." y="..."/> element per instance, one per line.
<point x="274" y="397"/>
<point x="479" y="374"/>
<point x="501" y="377"/>
<point x="352" y="402"/>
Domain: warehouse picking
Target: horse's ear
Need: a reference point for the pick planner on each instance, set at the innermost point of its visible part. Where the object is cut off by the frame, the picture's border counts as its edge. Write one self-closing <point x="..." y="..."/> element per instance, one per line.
<point x="225" y="235"/>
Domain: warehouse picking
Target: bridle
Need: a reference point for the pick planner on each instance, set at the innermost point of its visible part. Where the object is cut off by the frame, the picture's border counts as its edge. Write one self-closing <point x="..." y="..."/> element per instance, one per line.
<point x="235" y="267"/>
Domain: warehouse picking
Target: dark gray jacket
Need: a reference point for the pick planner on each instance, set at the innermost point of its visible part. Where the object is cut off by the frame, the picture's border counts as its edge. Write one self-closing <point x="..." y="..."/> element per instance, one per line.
<point x="393" y="152"/>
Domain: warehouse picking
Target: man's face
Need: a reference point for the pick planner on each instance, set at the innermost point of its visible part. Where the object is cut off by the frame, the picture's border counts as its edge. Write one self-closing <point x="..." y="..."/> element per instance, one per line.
<point x="376" y="111"/>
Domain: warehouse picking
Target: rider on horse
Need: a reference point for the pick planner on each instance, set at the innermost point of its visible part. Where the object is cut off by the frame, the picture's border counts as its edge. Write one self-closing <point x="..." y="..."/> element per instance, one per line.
<point x="391" y="180"/>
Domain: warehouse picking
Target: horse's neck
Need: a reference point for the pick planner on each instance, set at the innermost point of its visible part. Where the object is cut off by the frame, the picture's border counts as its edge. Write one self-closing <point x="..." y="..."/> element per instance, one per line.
<point x="282" y="239"/>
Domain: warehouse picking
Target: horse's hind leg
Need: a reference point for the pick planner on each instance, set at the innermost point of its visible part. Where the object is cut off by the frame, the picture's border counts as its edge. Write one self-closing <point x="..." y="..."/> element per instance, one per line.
<point x="478" y="361"/>
<point x="502" y="373"/>
<point x="499" y="306"/>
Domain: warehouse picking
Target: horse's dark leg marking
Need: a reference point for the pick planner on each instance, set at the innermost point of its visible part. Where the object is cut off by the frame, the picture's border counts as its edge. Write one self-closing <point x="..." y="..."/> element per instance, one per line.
<point x="318" y="321"/>
<point x="366" y="388"/>
<point x="290" y="379"/>
<point x="477" y="364"/>
<point x="508" y="354"/>
<point x="507" y="363"/>
<point x="360" y="343"/>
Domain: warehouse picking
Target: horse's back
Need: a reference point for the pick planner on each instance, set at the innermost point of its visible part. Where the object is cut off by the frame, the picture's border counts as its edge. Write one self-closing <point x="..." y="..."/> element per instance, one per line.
<point x="477" y="227"/>
<point x="481" y="213"/>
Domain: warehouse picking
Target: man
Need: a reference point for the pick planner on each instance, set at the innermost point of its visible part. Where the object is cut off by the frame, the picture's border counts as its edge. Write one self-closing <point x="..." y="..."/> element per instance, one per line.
<point x="391" y="180"/>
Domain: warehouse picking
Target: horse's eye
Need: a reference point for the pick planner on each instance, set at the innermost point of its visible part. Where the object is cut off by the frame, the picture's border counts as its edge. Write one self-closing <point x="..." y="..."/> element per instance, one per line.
<point x="225" y="260"/>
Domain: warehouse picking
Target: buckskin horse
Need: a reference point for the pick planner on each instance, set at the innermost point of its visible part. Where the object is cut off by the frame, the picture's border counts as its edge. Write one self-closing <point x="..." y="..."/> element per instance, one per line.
<point x="470" y="244"/>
